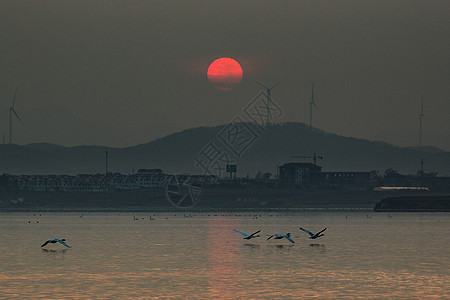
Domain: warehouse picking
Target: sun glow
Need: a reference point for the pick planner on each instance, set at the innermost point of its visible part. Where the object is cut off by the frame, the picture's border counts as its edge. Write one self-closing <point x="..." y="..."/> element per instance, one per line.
<point x="225" y="73"/>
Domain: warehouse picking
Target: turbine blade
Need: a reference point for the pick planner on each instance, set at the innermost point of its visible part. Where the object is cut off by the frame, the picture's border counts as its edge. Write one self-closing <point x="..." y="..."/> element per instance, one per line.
<point x="17" y="116"/>
<point x="261" y="84"/>
<point x="274" y="85"/>
<point x="312" y="97"/>
<point x="421" y="112"/>
<point x="14" y="99"/>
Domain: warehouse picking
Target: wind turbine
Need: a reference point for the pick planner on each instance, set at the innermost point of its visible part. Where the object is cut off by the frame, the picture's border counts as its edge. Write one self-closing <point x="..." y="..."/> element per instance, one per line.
<point x="268" y="99"/>
<point x="311" y="104"/>
<point x="421" y="116"/>
<point x="11" y="112"/>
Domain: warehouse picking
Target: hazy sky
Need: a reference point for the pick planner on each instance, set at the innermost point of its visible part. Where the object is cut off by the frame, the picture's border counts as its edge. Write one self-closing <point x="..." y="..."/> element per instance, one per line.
<point x="121" y="73"/>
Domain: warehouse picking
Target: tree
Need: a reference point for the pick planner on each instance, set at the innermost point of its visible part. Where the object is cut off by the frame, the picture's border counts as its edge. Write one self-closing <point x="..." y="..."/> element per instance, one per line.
<point x="390" y="173"/>
<point x="267" y="176"/>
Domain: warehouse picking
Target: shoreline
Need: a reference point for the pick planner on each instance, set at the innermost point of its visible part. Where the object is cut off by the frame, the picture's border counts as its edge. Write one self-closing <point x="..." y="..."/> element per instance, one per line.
<point x="233" y="199"/>
<point x="173" y="209"/>
<point x="204" y="210"/>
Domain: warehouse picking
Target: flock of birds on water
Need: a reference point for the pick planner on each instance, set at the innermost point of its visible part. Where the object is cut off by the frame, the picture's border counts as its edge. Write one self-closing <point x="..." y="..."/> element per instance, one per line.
<point x="247" y="236"/>
<point x="278" y="236"/>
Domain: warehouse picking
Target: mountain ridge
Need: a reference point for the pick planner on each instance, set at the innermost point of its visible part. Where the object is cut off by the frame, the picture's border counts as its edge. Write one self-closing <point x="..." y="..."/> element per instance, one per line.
<point x="271" y="146"/>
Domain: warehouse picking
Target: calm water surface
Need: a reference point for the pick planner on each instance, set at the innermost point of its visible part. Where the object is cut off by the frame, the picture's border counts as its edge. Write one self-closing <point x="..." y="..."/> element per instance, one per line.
<point x="198" y="256"/>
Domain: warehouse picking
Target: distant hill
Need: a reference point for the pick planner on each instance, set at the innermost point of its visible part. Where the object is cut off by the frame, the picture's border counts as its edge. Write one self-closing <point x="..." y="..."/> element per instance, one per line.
<point x="427" y="149"/>
<point x="265" y="150"/>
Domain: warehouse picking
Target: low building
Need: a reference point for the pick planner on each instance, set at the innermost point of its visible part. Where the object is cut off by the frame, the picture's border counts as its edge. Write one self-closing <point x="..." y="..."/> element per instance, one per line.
<point x="352" y="180"/>
<point x="299" y="174"/>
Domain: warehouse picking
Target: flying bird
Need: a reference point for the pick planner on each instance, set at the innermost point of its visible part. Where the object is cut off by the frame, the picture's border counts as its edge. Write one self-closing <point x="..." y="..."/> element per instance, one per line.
<point x="248" y="236"/>
<point x="280" y="236"/>
<point x="314" y="235"/>
<point x="62" y="241"/>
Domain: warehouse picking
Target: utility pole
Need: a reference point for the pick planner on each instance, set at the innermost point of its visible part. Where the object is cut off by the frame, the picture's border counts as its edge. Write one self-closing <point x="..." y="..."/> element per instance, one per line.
<point x="421" y="167"/>
<point x="106" y="161"/>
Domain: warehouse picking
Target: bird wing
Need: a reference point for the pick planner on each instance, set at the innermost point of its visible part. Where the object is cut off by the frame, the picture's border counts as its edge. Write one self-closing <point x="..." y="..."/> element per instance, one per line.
<point x="46" y="242"/>
<point x="289" y="238"/>
<point x="270" y="237"/>
<point x="308" y="232"/>
<point x="321" y="231"/>
<point x="62" y="242"/>
<point x="255" y="233"/>
<point x="241" y="232"/>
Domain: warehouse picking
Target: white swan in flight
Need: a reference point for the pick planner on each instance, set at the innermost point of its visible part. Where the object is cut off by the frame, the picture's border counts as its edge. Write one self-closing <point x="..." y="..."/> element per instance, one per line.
<point x="280" y="236"/>
<point x="248" y="236"/>
<point x="56" y="240"/>
<point x="314" y="235"/>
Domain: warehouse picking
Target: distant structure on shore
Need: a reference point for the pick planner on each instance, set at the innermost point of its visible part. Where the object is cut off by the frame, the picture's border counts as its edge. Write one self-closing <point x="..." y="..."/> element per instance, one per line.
<point x="308" y="174"/>
<point x="144" y="178"/>
<point x="291" y="175"/>
<point x="297" y="185"/>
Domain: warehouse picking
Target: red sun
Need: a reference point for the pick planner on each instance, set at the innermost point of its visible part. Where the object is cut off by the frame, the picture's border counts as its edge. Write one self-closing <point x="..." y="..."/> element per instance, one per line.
<point x="225" y="73"/>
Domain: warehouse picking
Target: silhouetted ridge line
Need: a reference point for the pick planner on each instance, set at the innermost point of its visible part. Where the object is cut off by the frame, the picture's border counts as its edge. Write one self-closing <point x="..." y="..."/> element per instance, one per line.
<point x="275" y="146"/>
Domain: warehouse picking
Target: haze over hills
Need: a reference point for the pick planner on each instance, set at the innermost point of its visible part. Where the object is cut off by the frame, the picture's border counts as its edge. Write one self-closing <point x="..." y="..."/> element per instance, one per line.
<point x="264" y="150"/>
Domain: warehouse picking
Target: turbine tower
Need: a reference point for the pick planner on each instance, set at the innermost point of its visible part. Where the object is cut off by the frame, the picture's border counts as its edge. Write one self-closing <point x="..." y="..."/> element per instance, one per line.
<point x="268" y="99"/>
<point x="11" y="112"/>
<point x="311" y="104"/>
<point x="421" y="116"/>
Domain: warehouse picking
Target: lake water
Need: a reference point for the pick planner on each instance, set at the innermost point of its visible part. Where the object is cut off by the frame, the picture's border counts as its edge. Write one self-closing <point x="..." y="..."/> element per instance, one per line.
<point x="199" y="256"/>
